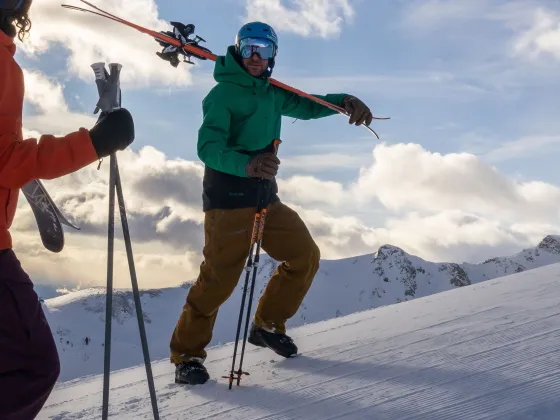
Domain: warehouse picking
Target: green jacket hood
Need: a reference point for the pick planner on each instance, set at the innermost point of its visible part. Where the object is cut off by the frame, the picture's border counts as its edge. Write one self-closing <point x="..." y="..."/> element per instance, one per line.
<point x="228" y="69"/>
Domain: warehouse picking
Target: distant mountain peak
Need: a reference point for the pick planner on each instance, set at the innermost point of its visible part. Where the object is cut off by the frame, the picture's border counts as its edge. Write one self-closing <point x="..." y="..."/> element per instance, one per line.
<point x="387" y="250"/>
<point x="550" y="243"/>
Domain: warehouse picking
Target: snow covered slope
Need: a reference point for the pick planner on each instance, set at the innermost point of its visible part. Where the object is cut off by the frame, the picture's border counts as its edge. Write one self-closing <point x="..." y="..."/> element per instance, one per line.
<point x="488" y="351"/>
<point x="340" y="288"/>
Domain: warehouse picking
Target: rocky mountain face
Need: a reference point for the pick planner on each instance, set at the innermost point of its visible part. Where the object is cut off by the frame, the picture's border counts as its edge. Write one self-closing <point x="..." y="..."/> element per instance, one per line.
<point x="393" y="265"/>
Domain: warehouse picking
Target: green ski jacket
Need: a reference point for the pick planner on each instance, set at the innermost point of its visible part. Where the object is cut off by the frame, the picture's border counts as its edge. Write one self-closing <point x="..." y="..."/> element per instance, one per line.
<point x="242" y="115"/>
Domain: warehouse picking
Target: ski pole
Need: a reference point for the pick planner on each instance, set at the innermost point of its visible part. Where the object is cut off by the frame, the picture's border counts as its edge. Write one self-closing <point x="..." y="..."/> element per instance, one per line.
<point x="101" y="82"/>
<point x="248" y="267"/>
<point x="110" y="99"/>
<point x="263" y="198"/>
<point x="265" y="187"/>
<point x="136" y="294"/>
<point x="109" y="293"/>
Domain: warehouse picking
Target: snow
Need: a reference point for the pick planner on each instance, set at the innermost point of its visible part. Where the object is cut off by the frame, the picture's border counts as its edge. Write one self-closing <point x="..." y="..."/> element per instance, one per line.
<point x="490" y="350"/>
<point x="341" y="287"/>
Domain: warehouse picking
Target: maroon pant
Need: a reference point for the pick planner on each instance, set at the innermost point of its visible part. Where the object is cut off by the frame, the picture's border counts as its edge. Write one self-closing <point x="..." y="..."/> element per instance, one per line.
<point x="29" y="365"/>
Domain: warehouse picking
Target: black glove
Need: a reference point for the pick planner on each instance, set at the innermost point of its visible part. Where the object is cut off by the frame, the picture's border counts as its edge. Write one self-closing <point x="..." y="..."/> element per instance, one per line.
<point x="112" y="132"/>
<point x="359" y="112"/>
<point x="263" y="166"/>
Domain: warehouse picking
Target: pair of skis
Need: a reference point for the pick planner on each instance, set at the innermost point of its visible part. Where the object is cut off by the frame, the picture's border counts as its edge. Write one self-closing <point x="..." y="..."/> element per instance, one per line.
<point x="178" y="42"/>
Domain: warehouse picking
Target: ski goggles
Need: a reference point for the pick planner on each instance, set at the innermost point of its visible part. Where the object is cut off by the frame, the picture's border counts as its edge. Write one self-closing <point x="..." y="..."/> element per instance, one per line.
<point x="263" y="47"/>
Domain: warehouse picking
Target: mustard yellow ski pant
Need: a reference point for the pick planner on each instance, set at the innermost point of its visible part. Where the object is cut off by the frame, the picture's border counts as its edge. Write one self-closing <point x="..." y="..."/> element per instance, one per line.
<point x="227" y="240"/>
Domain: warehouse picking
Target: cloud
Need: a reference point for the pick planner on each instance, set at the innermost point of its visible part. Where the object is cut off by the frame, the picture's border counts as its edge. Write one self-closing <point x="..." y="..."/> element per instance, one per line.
<point x="322" y="162"/>
<point x="321" y="18"/>
<point x="45" y="94"/>
<point x="163" y="204"/>
<point x="456" y="235"/>
<point x="162" y="197"/>
<point x="542" y="38"/>
<point x="53" y="115"/>
<point x="340" y="236"/>
<point x="408" y="177"/>
<point x="310" y="190"/>
<point x="453" y="207"/>
<point x="83" y="263"/>
<point x="445" y="207"/>
<point x="90" y="39"/>
<point x="450" y="235"/>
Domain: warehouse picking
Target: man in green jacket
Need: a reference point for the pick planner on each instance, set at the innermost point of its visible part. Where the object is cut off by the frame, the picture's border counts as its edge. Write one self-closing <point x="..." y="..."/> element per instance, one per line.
<point x="242" y="118"/>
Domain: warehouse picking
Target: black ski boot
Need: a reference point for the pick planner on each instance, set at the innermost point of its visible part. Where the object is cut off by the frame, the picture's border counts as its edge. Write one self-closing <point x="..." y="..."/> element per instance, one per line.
<point x="277" y="342"/>
<point x="192" y="373"/>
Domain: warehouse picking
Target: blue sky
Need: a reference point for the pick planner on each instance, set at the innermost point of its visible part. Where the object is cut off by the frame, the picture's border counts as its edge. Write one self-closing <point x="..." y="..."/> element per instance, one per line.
<point x="477" y="77"/>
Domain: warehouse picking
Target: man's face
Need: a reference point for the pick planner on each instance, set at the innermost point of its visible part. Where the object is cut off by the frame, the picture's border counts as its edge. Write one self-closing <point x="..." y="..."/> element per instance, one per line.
<point x="255" y="65"/>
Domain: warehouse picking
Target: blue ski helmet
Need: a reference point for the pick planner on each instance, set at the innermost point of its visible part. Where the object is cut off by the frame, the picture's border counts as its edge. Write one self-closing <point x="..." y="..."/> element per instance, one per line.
<point x="258" y="31"/>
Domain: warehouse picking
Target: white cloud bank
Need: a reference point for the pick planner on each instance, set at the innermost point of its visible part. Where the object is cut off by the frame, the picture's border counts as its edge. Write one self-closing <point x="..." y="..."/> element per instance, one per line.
<point x="162" y="199"/>
<point x="317" y="18"/>
<point x="442" y="207"/>
<point x="407" y="177"/>
<point x="450" y="207"/>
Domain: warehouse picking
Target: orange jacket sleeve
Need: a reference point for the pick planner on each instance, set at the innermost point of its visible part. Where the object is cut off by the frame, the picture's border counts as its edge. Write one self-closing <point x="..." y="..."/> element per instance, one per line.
<point x="24" y="160"/>
<point x="51" y="157"/>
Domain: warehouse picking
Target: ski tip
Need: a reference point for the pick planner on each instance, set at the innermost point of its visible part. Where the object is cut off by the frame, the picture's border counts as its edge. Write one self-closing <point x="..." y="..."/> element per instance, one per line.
<point x="70" y="225"/>
<point x="54" y="247"/>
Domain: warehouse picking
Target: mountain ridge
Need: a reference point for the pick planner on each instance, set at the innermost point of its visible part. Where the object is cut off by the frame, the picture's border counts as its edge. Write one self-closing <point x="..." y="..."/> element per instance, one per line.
<point x="341" y="287"/>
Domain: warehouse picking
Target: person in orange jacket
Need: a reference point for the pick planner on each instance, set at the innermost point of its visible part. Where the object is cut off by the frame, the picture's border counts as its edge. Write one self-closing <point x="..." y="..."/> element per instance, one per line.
<point x="29" y="363"/>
